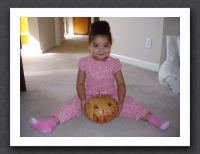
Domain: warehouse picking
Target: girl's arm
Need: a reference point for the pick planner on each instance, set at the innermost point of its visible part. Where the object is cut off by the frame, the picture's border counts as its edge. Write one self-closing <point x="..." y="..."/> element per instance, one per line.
<point x="121" y="87"/>
<point x="80" y="86"/>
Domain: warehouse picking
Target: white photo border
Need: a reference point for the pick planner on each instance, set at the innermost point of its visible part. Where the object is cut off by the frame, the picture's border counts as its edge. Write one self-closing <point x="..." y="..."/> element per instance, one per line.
<point x="183" y="13"/>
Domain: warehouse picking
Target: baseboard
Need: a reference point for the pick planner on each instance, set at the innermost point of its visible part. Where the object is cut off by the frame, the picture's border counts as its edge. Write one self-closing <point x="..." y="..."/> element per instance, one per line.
<point x="136" y="62"/>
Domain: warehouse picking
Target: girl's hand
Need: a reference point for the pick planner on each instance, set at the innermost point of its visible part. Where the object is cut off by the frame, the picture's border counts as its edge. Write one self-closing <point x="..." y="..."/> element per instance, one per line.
<point x="83" y="102"/>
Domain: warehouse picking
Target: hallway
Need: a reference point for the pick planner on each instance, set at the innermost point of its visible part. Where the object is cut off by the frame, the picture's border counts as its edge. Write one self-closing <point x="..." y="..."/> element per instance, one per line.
<point x="72" y="45"/>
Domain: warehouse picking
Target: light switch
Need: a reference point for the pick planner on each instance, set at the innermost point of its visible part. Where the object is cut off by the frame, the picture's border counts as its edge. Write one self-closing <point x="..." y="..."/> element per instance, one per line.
<point x="148" y="42"/>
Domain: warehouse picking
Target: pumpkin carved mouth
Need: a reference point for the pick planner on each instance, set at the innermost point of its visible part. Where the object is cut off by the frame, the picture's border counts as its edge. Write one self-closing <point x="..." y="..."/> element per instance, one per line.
<point x="101" y="109"/>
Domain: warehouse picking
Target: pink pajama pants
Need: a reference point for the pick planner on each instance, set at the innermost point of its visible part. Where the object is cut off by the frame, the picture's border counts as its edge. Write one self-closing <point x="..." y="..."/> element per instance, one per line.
<point x="72" y="108"/>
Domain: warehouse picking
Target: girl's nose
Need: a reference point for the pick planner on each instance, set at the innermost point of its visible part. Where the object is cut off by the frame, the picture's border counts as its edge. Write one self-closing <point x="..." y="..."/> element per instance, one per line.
<point x="101" y="48"/>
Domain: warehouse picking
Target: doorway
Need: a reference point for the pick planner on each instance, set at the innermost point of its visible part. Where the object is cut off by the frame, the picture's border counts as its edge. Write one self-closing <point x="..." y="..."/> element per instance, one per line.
<point x="81" y="25"/>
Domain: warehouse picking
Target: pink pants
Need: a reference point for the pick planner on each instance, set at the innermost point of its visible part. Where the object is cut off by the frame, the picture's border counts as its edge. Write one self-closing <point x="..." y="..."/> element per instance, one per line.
<point x="72" y="108"/>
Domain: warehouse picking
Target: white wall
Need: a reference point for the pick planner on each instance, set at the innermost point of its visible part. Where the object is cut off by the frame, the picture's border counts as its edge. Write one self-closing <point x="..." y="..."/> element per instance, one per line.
<point x="62" y="28"/>
<point x="129" y="38"/>
<point x="46" y="32"/>
<point x="57" y="31"/>
<point x="41" y="33"/>
<point x="33" y="29"/>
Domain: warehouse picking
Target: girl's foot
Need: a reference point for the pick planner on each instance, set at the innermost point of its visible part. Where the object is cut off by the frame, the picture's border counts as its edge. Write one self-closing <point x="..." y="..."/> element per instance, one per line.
<point x="159" y="123"/>
<point x="43" y="126"/>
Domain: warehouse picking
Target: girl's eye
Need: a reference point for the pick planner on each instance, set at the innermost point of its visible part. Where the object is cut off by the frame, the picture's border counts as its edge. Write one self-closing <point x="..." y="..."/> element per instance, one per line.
<point x="99" y="46"/>
<point x="95" y="45"/>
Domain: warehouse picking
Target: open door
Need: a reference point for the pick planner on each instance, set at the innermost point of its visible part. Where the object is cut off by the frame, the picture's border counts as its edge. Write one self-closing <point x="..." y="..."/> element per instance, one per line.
<point x="81" y="25"/>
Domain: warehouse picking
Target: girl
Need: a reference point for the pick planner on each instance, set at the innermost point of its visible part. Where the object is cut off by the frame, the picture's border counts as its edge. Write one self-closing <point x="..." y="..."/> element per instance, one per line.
<point x="96" y="74"/>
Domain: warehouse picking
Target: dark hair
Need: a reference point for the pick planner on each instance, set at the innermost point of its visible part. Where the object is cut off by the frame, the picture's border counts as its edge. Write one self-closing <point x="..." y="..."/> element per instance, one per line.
<point x="100" y="28"/>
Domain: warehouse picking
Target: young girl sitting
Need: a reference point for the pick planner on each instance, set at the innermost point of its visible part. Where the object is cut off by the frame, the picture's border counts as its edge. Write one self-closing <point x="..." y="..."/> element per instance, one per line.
<point x="97" y="74"/>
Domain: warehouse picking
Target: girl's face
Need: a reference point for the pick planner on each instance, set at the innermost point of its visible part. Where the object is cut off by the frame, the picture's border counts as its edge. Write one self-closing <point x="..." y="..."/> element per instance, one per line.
<point x="100" y="47"/>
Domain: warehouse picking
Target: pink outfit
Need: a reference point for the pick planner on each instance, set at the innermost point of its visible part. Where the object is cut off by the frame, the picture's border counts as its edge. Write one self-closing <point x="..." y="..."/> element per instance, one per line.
<point x="99" y="79"/>
<point x="44" y="126"/>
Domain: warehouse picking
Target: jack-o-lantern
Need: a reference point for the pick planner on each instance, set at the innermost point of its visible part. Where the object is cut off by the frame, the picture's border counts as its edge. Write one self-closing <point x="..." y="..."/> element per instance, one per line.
<point x="101" y="109"/>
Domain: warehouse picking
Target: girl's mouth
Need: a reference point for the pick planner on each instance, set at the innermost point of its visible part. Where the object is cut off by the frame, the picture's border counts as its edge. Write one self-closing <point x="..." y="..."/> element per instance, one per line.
<point x="100" y="54"/>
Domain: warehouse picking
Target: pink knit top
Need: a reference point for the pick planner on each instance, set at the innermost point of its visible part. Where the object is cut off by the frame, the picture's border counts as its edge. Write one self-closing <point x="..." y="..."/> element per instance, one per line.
<point x="100" y="75"/>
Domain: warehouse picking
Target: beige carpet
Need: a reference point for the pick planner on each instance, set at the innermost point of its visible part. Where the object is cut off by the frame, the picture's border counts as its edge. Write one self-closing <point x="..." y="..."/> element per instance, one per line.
<point x="71" y="45"/>
<point x="51" y="80"/>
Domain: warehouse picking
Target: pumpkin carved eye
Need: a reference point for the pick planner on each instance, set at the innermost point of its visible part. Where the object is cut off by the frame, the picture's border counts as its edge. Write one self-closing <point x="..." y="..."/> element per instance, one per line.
<point x="109" y="104"/>
<point x="96" y="107"/>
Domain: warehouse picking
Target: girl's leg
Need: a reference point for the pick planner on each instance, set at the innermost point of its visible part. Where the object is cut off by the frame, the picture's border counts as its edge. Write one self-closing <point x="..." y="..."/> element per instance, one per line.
<point x="156" y="121"/>
<point x="132" y="109"/>
<point x="44" y="126"/>
<point x="67" y="111"/>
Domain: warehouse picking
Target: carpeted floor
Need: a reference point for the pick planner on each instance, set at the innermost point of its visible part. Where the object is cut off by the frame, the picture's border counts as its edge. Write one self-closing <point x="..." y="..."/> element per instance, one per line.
<point x="72" y="45"/>
<point x="51" y="80"/>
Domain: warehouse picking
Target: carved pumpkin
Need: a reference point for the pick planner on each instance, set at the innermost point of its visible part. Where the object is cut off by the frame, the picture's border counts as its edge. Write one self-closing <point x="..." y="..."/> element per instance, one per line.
<point x="101" y="109"/>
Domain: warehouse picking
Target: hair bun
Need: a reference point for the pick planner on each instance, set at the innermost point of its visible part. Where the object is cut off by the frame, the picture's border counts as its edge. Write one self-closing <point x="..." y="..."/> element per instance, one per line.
<point x="100" y="28"/>
<point x="100" y="25"/>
